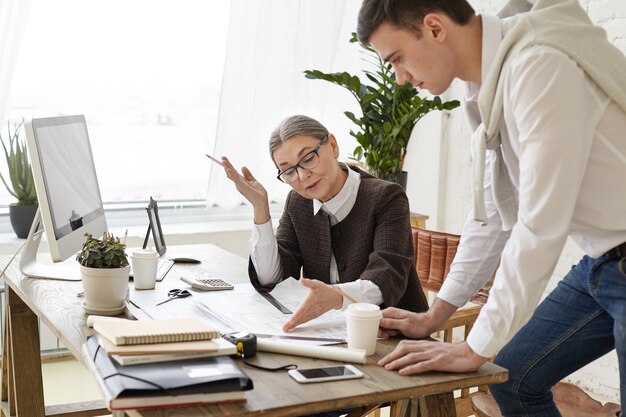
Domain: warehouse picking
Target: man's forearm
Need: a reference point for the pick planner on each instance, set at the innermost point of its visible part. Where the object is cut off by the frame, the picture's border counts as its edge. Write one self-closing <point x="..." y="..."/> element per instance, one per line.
<point x="438" y="314"/>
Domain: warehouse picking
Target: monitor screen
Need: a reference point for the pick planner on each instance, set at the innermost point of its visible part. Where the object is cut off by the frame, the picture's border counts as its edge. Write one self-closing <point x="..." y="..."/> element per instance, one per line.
<point x="67" y="186"/>
<point x="69" y="175"/>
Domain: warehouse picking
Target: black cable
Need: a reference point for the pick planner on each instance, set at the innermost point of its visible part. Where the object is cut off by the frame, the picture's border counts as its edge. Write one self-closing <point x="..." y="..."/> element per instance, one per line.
<point x="267" y="368"/>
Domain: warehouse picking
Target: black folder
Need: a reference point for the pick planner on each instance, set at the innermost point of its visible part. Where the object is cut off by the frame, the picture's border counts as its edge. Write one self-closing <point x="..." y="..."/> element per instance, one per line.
<point x="165" y="384"/>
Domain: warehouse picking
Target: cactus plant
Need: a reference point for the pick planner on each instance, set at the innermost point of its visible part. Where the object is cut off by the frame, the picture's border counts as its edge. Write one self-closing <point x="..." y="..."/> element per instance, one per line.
<point x="20" y="182"/>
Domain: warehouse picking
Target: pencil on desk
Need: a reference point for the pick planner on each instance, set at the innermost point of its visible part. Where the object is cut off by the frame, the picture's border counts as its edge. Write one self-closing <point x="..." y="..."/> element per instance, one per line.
<point x="352" y="300"/>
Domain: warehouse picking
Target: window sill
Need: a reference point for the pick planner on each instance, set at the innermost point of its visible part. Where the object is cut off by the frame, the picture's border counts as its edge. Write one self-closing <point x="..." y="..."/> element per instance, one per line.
<point x="228" y="228"/>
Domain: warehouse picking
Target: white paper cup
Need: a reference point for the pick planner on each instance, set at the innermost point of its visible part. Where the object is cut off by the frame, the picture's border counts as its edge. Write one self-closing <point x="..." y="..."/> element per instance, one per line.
<point x="362" y="320"/>
<point x="145" y="263"/>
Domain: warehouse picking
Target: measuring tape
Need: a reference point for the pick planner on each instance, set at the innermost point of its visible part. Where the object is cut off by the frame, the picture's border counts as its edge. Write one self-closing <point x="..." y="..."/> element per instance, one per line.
<point x="245" y="343"/>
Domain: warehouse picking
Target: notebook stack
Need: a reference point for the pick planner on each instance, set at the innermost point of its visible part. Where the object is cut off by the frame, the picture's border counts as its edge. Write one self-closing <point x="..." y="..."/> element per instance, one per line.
<point x="131" y="342"/>
<point x="163" y="363"/>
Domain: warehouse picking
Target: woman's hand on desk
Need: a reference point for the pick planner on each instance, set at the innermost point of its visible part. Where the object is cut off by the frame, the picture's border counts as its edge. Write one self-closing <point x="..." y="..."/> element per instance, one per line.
<point x="321" y="298"/>
<point x="251" y="189"/>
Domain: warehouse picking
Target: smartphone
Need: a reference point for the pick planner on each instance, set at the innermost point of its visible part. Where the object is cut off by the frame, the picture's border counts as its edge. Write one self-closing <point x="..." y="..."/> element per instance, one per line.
<point x="330" y="373"/>
<point x="211" y="284"/>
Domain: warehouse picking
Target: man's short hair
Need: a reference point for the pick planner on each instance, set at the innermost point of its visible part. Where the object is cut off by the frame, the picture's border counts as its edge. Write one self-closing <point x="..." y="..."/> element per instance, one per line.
<point x="407" y="14"/>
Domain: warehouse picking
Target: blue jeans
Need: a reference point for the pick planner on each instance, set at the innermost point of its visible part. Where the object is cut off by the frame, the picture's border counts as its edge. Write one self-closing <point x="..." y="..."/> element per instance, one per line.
<point x="581" y="320"/>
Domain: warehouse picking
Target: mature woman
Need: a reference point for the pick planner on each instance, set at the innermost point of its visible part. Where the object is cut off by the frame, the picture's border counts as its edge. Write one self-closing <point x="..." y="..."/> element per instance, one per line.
<point x="340" y="227"/>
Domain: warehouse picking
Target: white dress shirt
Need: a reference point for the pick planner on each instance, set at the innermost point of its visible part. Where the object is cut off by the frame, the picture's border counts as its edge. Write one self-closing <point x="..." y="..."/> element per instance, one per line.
<point x="564" y="148"/>
<point x="264" y="248"/>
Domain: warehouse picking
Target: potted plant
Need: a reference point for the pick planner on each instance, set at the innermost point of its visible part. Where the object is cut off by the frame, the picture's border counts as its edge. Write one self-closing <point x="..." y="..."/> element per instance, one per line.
<point x="20" y="183"/>
<point x="389" y="113"/>
<point x="105" y="270"/>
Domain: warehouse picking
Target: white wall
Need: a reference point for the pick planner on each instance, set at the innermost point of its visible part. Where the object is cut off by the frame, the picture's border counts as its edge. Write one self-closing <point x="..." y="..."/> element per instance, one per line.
<point x="439" y="178"/>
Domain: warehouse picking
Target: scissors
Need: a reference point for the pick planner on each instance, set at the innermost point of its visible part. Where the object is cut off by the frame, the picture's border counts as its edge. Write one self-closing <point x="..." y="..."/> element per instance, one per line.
<point x="175" y="293"/>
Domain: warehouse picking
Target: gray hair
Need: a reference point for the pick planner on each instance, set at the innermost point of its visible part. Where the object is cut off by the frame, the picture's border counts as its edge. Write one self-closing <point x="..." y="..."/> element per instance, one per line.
<point x="297" y="125"/>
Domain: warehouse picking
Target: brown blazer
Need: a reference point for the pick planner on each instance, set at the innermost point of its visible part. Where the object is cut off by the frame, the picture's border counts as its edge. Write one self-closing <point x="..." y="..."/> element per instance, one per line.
<point x="373" y="242"/>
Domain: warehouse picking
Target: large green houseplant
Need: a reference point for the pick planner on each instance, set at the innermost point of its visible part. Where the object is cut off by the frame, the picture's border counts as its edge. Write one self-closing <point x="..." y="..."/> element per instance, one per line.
<point x="388" y="113"/>
<point x="19" y="182"/>
<point x="105" y="270"/>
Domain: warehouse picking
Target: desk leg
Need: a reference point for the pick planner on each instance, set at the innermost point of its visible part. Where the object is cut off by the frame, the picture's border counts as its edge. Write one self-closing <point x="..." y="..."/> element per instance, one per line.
<point x="7" y="378"/>
<point x="400" y="408"/>
<point x="25" y="384"/>
<point x="437" y="405"/>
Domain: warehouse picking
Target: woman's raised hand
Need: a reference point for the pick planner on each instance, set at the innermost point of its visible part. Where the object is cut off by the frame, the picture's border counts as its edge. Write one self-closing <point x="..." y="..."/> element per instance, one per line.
<point x="251" y="189"/>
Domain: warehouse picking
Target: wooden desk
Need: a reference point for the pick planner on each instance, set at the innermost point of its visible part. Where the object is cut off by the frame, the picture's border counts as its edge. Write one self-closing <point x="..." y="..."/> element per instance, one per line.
<point x="275" y="394"/>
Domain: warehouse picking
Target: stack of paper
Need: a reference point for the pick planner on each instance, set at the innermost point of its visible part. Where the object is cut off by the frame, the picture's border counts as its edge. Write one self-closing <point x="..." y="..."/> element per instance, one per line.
<point x="119" y="339"/>
<point x="165" y="384"/>
<point x="162" y="352"/>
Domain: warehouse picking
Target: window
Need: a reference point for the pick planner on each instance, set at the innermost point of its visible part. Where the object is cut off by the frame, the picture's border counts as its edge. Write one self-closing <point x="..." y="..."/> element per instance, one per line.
<point x="146" y="74"/>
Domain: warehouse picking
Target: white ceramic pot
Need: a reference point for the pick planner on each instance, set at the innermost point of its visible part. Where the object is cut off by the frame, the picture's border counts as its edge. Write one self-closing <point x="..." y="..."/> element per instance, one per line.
<point x="105" y="288"/>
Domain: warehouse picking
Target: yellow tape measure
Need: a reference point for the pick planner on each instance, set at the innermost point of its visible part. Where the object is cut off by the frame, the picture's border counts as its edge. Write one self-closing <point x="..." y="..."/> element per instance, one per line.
<point x="245" y="343"/>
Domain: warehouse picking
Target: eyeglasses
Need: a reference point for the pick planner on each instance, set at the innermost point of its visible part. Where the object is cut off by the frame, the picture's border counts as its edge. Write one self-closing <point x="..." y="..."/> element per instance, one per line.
<point x="308" y="161"/>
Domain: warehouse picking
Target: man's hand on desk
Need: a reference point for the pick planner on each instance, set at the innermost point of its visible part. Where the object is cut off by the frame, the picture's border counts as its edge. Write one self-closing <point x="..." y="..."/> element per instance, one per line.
<point x="321" y="298"/>
<point x="396" y="321"/>
<point x="418" y="356"/>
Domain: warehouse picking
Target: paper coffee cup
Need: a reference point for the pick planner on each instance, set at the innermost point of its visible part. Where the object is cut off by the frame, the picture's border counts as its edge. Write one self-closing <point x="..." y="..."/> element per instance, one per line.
<point x="145" y="263"/>
<point x="362" y="320"/>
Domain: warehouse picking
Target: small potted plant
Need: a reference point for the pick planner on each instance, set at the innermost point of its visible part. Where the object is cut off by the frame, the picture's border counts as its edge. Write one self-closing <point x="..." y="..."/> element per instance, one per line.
<point x="105" y="271"/>
<point x="19" y="182"/>
<point x="389" y="113"/>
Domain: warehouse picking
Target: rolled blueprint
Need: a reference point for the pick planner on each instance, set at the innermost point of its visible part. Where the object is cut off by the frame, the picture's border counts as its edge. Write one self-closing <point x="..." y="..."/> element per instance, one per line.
<point x="320" y="352"/>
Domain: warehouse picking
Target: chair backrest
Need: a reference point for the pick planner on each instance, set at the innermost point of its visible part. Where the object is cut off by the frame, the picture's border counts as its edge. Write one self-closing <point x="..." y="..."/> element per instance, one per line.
<point x="434" y="253"/>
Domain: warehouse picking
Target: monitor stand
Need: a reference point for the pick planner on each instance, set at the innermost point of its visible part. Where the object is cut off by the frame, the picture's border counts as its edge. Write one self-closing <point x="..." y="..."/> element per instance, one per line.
<point x="31" y="267"/>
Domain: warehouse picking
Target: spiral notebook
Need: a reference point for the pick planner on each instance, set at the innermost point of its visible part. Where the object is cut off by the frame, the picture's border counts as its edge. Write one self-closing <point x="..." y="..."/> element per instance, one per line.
<point x="138" y="332"/>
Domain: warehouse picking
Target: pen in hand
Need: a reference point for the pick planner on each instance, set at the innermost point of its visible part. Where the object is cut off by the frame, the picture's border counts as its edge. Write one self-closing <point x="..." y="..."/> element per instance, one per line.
<point x="217" y="161"/>
<point x="220" y="163"/>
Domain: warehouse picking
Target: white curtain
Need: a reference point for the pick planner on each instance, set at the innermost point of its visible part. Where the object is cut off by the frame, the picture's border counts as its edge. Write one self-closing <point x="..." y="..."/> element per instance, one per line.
<point x="13" y="18"/>
<point x="270" y="44"/>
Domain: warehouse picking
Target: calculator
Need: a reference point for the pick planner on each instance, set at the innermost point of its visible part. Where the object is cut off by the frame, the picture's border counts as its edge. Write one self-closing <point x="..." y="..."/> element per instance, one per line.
<point x="209" y="284"/>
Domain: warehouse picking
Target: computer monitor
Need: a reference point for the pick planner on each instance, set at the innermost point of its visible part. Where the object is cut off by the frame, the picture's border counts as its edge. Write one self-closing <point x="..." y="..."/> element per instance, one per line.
<point x="69" y="196"/>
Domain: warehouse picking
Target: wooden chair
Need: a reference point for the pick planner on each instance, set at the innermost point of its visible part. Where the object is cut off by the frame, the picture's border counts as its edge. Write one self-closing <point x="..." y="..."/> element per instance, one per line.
<point x="570" y="400"/>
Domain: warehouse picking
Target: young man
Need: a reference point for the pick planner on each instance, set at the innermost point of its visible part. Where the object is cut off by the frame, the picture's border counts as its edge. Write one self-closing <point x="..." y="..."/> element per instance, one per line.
<point x="546" y="95"/>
